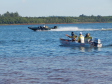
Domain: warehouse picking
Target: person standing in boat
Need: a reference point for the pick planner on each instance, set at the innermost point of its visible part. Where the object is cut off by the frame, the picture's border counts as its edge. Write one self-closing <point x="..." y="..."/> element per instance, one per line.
<point x="81" y="38"/>
<point x="87" y="38"/>
<point x="73" y="36"/>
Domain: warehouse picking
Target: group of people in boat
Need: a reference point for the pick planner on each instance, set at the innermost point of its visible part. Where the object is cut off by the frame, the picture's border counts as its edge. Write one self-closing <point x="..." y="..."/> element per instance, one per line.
<point x="81" y="38"/>
<point x="43" y="26"/>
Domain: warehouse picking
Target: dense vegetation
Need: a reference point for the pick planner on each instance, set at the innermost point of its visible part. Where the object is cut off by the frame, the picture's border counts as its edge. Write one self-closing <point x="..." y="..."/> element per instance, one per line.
<point x="15" y="18"/>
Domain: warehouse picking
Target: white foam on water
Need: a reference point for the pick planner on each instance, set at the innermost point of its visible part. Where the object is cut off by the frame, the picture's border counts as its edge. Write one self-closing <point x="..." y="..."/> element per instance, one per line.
<point x="73" y="29"/>
<point x="103" y="29"/>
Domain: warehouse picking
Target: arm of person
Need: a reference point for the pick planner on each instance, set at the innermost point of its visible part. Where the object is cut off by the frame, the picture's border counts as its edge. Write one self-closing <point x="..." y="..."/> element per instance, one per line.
<point x="90" y="38"/>
<point x="70" y="36"/>
<point x="78" y="38"/>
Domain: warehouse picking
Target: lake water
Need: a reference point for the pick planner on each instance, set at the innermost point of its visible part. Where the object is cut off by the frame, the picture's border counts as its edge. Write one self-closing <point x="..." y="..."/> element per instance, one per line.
<point x="37" y="57"/>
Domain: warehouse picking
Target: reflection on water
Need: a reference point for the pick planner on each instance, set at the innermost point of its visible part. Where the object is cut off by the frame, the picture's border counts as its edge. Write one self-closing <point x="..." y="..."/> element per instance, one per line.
<point x="82" y="49"/>
<point x="88" y="49"/>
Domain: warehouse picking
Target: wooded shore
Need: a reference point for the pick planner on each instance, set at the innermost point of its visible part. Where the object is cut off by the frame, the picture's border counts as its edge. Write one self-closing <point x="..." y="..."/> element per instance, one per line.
<point x="16" y="19"/>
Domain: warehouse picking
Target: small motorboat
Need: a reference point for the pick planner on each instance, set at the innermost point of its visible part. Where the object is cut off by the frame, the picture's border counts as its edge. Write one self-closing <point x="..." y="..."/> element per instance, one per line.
<point x="42" y="28"/>
<point x="95" y="43"/>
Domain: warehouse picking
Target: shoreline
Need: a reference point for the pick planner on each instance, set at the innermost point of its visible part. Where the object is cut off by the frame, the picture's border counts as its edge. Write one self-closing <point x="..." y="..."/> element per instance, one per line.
<point x="54" y="23"/>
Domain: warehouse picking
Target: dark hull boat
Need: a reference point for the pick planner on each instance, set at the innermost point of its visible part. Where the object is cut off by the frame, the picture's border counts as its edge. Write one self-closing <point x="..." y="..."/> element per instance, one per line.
<point x="42" y="28"/>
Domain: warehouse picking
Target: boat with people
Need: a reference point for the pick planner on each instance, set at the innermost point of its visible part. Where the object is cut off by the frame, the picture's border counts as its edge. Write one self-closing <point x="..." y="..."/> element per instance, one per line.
<point x="95" y="43"/>
<point x="42" y="28"/>
<point x="84" y="42"/>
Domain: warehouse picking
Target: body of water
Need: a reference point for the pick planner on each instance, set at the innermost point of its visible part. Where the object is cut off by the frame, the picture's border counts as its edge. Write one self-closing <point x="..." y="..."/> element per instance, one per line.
<point x="37" y="57"/>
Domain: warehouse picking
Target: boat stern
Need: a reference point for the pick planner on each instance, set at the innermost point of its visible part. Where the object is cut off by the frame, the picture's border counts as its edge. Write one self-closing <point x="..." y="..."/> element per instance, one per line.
<point x="98" y="45"/>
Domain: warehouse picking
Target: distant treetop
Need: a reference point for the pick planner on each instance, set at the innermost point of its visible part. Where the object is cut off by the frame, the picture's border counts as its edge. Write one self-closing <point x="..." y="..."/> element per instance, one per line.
<point x="7" y="14"/>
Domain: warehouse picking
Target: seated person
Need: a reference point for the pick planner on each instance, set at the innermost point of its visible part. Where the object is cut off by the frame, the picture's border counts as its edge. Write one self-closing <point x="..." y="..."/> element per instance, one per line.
<point x="46" y="26"/>
<point x="43" y="25"/>
<point x="81" y="38"/>
<point x="73" y="36"/>
<point x="87" y="38"/>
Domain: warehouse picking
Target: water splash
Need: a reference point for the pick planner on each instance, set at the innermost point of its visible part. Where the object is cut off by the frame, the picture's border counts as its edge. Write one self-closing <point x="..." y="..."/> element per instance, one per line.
<point x="73" y="29"/>
<point x="79" y="29"/>
<point x="109" y="29"/>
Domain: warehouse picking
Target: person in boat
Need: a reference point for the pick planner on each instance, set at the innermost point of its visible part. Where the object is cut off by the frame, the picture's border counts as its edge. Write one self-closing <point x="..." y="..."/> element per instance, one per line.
<point x="87" y="38"/>
<point x="81" y="38"/>
<point x="43" y="25"/>
<point x="73" y="36"/>
<point x="46" y="26"/>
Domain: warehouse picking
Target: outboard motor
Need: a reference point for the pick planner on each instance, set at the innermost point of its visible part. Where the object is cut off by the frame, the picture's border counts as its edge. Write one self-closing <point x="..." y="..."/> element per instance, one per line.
<point x="97" y="42"/>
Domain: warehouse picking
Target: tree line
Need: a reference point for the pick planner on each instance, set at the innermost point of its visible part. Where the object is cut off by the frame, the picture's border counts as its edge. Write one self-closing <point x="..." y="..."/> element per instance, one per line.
<point x="15" y="18"/>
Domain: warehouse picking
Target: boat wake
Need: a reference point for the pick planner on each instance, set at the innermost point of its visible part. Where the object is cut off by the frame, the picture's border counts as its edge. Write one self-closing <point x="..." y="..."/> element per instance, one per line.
<point x="109" y="45"/>
<point x="79" y="29"/>
<point x="110" y="29"/>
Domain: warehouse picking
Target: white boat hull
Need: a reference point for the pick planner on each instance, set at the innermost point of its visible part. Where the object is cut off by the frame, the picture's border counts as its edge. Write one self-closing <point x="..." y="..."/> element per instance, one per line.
<point x="75" y="43"/>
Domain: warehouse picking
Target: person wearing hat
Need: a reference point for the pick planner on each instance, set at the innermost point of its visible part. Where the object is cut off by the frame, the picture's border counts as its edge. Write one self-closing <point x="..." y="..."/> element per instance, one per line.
<point x="81" y="38"/>
<point x="73" y="36"/>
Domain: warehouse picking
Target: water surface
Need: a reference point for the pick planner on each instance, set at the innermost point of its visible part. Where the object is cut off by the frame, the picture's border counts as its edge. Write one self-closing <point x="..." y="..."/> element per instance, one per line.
<point x="28" y="57"/>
